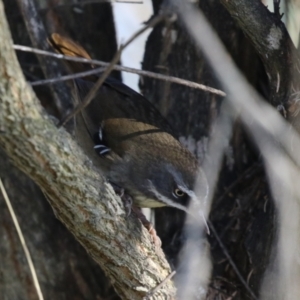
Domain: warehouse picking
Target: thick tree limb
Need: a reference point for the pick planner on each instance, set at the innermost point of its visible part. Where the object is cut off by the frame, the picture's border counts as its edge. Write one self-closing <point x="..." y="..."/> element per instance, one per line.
<point x="80" y="197"/>
<point x="275" y="47"/>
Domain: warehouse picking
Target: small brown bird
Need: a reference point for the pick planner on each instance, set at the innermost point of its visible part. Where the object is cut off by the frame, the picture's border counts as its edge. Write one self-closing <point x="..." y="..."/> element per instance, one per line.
<point x="139" y="148"/>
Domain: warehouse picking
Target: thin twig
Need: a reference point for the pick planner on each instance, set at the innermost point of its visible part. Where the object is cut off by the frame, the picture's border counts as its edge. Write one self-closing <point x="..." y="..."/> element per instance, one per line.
<point x="154" y="75"/>
<point x="22" y="240"/>
<point x="153" y="22"/>
<point x="277" y="13"/>
<point x="87" y="2"/>
<point x="129" y="2"/>
<point x="68" y="77"/>
<point x="153" y="291"/>
<point x="234" y="184"/>
<point x="231" y="262"/>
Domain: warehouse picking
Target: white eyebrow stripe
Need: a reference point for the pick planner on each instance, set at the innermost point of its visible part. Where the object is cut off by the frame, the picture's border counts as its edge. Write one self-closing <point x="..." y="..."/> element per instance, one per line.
<point x="164" y="199"/>
<point x="189" y="193"/>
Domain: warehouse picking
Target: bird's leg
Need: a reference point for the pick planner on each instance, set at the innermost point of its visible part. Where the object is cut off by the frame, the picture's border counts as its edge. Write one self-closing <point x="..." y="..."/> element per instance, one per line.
<point x="147" y="224"/>
<point x="129" y="208"/>
<point x="126" y="198"/>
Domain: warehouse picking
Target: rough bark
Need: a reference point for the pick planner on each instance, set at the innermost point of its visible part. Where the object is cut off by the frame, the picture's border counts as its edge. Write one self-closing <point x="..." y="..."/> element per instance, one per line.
<point x="78" y="194"/>
<point x="77" y="275"/>
<point x="64" y="269"/>
<point x="272" y="42"/>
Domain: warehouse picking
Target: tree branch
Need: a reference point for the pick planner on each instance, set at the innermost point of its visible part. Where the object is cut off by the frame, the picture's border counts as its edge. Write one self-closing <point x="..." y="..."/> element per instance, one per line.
<point x="79" y="196"/>
<point x="95" y="62"/>
<point x="275" y="47"/>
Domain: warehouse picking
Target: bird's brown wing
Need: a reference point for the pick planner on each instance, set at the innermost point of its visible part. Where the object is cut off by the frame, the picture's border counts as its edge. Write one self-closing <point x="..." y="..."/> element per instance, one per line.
<point x="116" y="100"/>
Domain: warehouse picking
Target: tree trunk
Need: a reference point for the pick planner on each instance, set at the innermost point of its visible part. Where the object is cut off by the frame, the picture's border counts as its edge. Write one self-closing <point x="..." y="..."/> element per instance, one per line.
<point x="64" y="268"/>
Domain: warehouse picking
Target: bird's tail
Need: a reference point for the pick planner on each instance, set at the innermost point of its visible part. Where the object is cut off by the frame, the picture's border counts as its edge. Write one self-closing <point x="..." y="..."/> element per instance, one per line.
<point x="68" y="47"/>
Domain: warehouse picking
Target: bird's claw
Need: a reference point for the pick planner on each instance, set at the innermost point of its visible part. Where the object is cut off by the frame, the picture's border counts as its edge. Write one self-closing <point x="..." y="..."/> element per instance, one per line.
<point x="126" y="199"/>
<point x="148" y="225"/>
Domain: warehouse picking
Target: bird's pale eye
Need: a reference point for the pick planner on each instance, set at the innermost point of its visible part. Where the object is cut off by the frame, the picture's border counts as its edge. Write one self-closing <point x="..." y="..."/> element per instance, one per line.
<point x="178" y="193"/>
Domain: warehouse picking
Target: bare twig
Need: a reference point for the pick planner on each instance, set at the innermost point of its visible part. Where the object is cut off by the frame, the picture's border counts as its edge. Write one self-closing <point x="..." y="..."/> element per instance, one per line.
<point x="154" y="75"/>
<point x="277" y="9"/>
<point x="23" y="242"/>
<point x="234" y="184"/>
<point x="131" y="2"/>
<point x="231" y="262"/>
<point x="153" y="291"/>
<point x="153" y="22"/>
<point x="68" y="77"/>
<point x="87" y="2"/>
